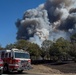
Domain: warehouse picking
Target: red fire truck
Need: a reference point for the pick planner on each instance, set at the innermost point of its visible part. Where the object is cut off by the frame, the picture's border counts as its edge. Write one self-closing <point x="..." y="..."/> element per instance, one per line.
<point x="15" y="60"/>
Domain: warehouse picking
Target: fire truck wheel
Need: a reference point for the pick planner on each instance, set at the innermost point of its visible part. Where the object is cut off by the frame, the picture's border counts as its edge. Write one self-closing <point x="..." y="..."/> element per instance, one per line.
<point x="20" y="71"/>
<point x="5" y="68"/>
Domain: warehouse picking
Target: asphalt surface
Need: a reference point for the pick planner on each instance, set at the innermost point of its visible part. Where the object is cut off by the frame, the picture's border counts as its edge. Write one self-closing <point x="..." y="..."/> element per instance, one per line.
<point x="21" y="74"/>
<point x="24" y="73"/>
<point x="38" y="74"/>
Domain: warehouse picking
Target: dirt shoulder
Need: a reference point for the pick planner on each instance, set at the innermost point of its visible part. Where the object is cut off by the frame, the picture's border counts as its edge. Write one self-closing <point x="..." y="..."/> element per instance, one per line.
<point x="69" y="68"/>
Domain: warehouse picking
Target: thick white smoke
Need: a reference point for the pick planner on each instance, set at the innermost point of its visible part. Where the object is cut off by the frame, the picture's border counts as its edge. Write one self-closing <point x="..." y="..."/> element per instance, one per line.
<point x="51" y="20"/>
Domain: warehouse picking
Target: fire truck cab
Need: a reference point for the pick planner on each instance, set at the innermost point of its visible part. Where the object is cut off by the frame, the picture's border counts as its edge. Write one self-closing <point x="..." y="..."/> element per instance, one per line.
<point x="15" y="60"/>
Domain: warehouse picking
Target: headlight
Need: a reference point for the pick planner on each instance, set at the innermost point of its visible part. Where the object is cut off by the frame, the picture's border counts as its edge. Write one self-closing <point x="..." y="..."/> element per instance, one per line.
<point x="1" y="67"/>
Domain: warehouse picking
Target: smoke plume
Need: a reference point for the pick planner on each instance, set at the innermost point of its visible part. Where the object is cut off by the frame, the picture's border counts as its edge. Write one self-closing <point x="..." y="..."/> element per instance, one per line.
<point x="51" y="20"/>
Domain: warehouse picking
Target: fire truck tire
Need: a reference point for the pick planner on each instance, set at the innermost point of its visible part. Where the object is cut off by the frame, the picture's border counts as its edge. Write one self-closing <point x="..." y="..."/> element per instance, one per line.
<point x="20" y="71"/>
<point x="5" y="69"/>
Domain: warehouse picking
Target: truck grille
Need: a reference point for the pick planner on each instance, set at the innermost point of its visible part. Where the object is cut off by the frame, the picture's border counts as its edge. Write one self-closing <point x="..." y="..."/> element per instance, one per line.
<point x="24" y="62"/>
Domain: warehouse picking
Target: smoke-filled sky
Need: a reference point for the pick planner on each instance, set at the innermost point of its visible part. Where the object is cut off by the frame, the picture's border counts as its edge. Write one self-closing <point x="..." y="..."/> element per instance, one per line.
<point x="10" y="10"/>
<point x="51" y="20"/>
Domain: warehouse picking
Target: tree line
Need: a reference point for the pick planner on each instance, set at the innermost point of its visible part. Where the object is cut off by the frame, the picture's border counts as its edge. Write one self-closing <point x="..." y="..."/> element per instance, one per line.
<point x="59" y="50"/>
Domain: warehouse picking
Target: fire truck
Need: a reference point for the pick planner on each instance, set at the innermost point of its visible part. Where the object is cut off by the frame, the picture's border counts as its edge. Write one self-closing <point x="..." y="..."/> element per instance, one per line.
<point x="15" y="60"/>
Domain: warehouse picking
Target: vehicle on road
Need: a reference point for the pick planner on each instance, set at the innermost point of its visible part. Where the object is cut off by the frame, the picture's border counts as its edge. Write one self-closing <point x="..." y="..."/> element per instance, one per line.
<point x="15" y="60"/>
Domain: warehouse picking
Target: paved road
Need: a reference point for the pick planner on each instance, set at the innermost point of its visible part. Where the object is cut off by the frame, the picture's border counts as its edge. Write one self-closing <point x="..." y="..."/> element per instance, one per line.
<point x="35" y="74"/>
<point x="38" y="74"/>
<point x="24" y="73"/>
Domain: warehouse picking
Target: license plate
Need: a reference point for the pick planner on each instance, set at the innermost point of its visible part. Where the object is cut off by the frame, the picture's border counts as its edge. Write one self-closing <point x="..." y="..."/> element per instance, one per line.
<point x="24" y="63"/>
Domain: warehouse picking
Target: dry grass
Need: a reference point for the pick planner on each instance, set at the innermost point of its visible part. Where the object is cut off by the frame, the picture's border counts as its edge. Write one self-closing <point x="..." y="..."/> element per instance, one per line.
<point x="54" y="69"/>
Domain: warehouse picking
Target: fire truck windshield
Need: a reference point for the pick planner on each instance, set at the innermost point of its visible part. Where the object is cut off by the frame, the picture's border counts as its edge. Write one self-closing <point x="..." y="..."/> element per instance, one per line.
<point x="22" y="55"/>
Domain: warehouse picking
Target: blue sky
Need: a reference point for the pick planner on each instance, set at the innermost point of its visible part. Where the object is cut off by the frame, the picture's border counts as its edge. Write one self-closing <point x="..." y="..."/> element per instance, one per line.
<point x="10" y="10"/>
